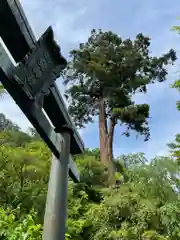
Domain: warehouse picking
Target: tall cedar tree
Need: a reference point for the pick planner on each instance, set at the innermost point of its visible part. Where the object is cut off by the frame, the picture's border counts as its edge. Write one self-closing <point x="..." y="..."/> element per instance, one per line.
<point x="103" y="75"/>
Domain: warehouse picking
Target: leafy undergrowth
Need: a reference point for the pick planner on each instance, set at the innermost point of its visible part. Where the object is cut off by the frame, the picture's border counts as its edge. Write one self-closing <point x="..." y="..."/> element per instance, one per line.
<point x="144" y="205"/>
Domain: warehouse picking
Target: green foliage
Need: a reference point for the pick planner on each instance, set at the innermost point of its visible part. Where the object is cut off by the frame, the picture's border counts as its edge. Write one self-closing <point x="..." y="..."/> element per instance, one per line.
<point x="176" y="28"/>
<point x="12" y="228"/>
<point x="129" y="160"/>
<point x="6" y="124"/>
<point x="2" y="90"/>
<point x="140" y="208"/>
<point x="134" y="116"/>
<point x="176" y="84"/>
<point x="24" y="172"/>
<point x="92" y="171"/>
<point x="143" y="206"/>
<point x="175" y="148"/>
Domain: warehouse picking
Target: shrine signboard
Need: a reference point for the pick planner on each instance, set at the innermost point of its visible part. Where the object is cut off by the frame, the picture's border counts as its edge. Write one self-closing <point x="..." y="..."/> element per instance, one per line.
<point x="40" y="68"/>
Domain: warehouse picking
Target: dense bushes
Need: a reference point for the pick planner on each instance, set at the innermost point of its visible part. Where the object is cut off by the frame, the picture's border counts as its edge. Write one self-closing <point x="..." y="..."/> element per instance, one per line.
<point x="144" y="206"/>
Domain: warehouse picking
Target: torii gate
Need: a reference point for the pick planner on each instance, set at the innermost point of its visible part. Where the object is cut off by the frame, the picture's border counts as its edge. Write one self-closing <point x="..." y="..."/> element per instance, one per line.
<point x="29" y="76"/>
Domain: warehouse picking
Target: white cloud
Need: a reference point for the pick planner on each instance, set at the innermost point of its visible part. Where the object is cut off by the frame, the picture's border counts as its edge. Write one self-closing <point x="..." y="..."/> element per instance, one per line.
<point x="62" y="15"/>
<point x="13" y="112"/>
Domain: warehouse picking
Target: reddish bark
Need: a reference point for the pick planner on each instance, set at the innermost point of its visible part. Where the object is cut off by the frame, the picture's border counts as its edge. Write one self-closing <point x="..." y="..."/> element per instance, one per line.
<point x="106" y="141"/>
<point x="102" y="132"/>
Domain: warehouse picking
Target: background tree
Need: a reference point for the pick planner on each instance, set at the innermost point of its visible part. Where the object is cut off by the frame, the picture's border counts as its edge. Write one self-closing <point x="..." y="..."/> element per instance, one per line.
<point x="24" y="175"/>
<point x="6" y="124"/>
<point x="102" y="77"/>
<point x="176" y="84"/>
<point x="143" y="207"/>
<point x="175" y="148"/>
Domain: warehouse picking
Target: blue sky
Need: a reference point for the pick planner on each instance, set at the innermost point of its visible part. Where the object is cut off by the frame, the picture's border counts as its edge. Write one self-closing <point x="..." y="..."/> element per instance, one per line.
<point x="72" y="21"/>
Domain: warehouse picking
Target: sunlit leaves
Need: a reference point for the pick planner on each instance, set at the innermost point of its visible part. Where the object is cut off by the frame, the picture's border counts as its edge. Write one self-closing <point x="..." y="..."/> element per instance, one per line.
<point x="177" y="82"/>
<point x="12" y="228"/>
<point x="177" y="86"/>
<point x="175" y="148"/>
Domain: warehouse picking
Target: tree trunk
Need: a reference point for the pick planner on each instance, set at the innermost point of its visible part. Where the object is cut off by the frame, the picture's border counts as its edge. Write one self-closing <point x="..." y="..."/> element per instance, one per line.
<point x="109" y="149"/>
<point x="102" y="132"/>
<point x="106" y="142"/>
<point x="111" y="137"/>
